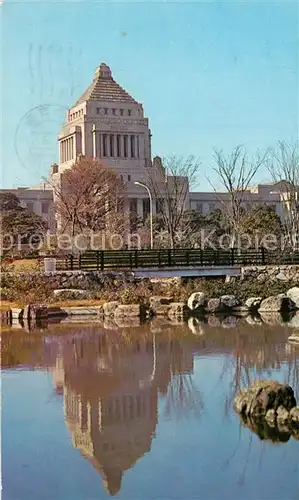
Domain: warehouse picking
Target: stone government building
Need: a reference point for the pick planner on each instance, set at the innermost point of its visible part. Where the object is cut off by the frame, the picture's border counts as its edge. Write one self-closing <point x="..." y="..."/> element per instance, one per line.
<point x="108" y="123"/>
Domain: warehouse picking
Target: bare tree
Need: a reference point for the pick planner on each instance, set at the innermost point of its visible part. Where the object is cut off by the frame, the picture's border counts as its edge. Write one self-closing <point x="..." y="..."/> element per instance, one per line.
<point x="284" y="168"/>
<point x="236" y="172"/>
<point x="170" y="182"/>
<point x="86" y="196"/>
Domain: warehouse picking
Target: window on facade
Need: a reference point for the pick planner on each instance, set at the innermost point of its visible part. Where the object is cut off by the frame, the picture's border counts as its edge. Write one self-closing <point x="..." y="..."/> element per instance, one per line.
<point x="132" y="138"/>
<point x="106" y="111"/>
<point x="121" y="111"/>
<point x="125" y="146"/>
<point x="129" y="112"/>
<point x="111" y="145"/>
<point x="104" y="144"/>
<point x="98" y="111"/>
<point x="45" y="207"/>
<point x="29" y="205"/>
<point x="113" y="111"/>
<point x="129" y="177"/>
<point x="118" y="152"/>
<point x="199" y="207"/>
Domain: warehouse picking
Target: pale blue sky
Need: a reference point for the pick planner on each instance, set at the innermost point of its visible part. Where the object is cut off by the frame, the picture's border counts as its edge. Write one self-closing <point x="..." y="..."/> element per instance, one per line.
<point x="210" y="74"/>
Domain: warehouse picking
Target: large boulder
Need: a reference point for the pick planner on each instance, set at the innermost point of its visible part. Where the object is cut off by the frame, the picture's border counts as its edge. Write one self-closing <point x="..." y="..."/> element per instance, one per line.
<point x="229" y="301"/>
<point x="276" y="303"/>
<point x="293" y="294"/>
<point x="214" y="306"/>
<point x="262" y="396"/>
<point x="160" y="305"/>
<point x="71" y="294"/>
<point x="253" y="303"/>
<point x="196" y="300"/>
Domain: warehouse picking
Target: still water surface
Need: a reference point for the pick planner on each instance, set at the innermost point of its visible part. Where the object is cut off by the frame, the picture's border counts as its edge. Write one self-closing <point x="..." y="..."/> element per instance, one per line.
<point x="142" y="413"/>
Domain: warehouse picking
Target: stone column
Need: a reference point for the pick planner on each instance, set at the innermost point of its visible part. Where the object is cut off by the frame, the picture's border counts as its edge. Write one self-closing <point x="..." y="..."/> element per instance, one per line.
<point x="114" y="146"/>
<point x="75" y="145"/>
<point x="136" y="146"/>
<point x="141" y="146"/>
<point x="122" y="149"/>
<point x="99" y="140"/>
<point x="94" y="143"/>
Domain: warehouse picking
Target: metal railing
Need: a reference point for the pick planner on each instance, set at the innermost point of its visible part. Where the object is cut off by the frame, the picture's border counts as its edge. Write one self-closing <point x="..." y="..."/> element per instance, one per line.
<point x="169" y="258"/>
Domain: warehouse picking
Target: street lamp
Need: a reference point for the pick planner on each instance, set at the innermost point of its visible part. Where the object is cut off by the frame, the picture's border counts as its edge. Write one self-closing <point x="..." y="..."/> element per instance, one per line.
<point x="151" y="209"/>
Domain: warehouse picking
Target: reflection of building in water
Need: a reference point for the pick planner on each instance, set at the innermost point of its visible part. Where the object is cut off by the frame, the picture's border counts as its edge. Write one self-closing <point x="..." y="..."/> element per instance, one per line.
<point x="111" y="397"/>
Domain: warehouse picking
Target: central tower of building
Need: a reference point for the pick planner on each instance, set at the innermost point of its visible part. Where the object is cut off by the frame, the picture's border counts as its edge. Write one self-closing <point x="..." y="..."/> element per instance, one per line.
<point x="107" y="123"/>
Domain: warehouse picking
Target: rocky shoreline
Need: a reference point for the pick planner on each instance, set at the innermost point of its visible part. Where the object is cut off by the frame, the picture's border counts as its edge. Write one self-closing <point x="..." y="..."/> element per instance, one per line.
<point x="223" y="312"/>
<point x="197" y="304"/>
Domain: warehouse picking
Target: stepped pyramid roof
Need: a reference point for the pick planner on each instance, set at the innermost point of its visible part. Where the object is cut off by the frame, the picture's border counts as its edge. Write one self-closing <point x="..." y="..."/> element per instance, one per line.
<point x="104" y="88"/>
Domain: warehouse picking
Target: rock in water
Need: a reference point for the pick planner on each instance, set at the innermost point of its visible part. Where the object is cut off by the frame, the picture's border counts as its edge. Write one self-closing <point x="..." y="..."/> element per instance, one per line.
<point x="196" y="300"/>
<point x="278" y="303"/>
<point x="214" y="306"/>
<point x="293" y="294"/>
<point x="262" y="396"/>
<point x="253" y="303"/>
<point x="229" y="301"/>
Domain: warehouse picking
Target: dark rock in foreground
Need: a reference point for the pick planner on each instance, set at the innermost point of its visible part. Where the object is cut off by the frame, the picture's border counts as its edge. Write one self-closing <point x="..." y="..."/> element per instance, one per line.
<point x="269" y="409"/>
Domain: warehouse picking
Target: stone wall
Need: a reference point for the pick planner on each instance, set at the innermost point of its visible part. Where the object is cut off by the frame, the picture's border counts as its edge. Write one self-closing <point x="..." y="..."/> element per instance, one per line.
<point x="271" y="273"/>
<point x="86" y="280"/>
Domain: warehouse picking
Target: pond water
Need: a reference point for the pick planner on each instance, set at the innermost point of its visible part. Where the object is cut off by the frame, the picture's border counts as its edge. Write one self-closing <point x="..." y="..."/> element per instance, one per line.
<point x="142" y="413"/>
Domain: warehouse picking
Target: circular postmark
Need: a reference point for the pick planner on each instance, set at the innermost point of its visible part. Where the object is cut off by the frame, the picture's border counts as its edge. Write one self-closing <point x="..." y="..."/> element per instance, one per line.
<point x="35" y="139"/>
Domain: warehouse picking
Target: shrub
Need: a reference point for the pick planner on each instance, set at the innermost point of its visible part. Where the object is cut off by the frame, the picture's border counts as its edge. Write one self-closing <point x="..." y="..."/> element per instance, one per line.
<point x="135" y="294"/>
<point x="24" y="288"/>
